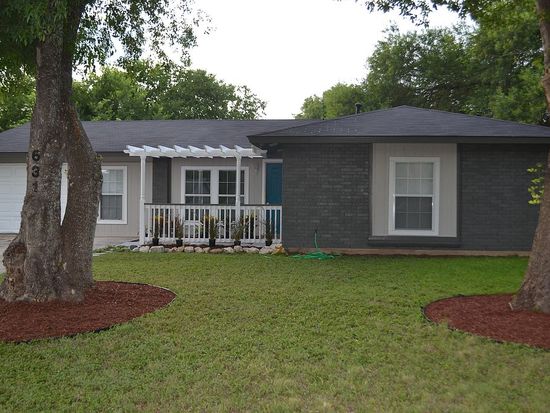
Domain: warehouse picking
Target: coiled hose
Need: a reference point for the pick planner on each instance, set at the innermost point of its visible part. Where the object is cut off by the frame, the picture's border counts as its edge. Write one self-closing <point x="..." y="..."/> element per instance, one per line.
<point x="315" y="255"/>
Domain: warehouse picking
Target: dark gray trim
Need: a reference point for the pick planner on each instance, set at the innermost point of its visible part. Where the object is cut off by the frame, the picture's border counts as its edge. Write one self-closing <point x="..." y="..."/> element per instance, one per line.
<point x="416" y="242"/>
<point x="371" y="180"/>
<point x="459" y="192"/>
<point x="162" y="180"/>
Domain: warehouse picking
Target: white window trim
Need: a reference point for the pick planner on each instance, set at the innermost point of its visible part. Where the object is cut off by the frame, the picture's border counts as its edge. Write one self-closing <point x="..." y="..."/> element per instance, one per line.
<point x="264" y="174"/>
<point x="124" y="219"/>
<point x="435" y="197"/>
<point x="214" y="181"/>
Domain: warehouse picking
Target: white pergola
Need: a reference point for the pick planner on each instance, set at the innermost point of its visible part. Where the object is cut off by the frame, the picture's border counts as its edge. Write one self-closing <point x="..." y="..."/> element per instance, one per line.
<point x="189" y="151"/>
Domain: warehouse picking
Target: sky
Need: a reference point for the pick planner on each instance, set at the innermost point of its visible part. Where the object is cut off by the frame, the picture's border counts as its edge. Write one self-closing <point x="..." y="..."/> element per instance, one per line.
<point x="287" y="50"/>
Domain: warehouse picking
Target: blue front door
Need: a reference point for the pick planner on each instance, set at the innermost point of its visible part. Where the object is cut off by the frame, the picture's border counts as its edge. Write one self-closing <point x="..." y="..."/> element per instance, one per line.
<point x="274" y="183"/>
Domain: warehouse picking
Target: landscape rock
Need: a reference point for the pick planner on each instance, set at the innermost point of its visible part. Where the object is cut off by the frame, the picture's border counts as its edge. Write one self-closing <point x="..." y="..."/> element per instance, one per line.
<point x="266" y="250"/>
<point x="238" y="248"/>
<point x="157" y="249"/>
<point x="174" y="249"/>
<point x="144" y="248"/>
<point x="189" y="249"/>
<point x="216" y="251"/>
<point x="229" y="250"/>
<point x="199" y="250"/>
<point x="252" y="250"/>
<point x="278" y="249"/>
<point x="206" y="250"/>
<point x="180" y="249"/>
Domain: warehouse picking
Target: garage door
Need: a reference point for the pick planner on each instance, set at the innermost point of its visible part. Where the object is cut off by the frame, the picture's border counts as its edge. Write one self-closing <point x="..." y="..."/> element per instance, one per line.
<point x="13" y="182"/>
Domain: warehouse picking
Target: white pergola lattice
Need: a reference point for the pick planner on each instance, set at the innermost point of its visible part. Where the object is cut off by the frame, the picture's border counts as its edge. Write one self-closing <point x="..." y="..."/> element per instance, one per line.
<point x="194" y="152"/>
<point x="237" y="152"/>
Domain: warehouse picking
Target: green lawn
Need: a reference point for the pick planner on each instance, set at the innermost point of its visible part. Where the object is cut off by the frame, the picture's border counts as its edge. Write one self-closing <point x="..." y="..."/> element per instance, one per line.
<point x="254" y="333"/>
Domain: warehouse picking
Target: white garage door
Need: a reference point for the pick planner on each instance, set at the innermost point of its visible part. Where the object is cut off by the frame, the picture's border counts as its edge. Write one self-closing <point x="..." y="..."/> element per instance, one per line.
<point x="13" y="183"/>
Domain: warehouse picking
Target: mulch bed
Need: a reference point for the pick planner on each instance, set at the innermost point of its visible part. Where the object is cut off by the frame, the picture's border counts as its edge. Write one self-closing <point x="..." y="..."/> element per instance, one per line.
<point x="107" y="303"/>
<point x="490" y="316"/>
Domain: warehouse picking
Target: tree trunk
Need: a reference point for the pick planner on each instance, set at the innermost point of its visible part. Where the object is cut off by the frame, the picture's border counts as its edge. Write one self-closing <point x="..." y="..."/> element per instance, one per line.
<point x="534" y="294"/>
<point x="49" y="260"/>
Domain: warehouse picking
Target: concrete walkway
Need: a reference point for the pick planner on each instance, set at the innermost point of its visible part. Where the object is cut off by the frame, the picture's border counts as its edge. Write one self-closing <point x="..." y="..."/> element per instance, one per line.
<point x="99" y="242"/>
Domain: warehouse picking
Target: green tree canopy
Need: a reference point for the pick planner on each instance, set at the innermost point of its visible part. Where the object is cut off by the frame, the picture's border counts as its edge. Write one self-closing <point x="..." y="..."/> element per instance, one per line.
<point x="16" y="101"/>
<point x="491" y="68"/>
<point x="162" y="91"/>
<point x="337" y="101"/>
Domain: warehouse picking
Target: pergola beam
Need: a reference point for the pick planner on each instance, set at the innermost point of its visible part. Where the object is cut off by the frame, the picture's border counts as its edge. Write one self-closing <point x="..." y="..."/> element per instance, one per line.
<point x="191" y="151"/>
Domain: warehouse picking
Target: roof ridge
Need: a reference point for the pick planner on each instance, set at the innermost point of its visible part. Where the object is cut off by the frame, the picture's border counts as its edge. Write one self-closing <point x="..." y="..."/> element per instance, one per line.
<point x="470" y="115"/>
<point x="193" y="120"/>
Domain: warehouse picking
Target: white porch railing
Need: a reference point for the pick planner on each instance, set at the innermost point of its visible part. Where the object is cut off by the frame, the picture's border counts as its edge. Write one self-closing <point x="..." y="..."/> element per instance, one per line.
<point x="164" y="221"/>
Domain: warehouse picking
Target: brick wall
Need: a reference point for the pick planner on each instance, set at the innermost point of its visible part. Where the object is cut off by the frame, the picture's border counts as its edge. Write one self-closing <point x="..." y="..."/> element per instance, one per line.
<point x="494" y="198"/>
<point x="326" y="187"/>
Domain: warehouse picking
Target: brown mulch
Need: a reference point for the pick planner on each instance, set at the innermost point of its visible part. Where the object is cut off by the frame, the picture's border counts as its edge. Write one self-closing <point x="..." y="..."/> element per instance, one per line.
<point x="490" y="316"/>
<point x="107" y="303"/>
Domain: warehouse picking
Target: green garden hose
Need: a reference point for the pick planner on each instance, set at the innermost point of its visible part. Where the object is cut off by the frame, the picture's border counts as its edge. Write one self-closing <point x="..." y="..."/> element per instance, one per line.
<point x="315" y="255"/>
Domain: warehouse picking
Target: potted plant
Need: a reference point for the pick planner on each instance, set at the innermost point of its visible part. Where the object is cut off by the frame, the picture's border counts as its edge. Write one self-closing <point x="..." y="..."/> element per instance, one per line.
<point x="178" y="231"/>
<point x="157" y="225"/>
<point x="268" y="233"/>
<point x="238" y="228"/>
<point x="211" y="224"/>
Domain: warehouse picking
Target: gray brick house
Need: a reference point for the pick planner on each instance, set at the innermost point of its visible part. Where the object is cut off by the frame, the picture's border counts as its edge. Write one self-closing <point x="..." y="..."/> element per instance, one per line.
<point x="401" y="177"/>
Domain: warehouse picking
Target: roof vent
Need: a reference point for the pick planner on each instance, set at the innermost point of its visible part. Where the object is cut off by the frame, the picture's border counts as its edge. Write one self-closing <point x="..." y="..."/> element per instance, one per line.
<point x="358" y="108"/>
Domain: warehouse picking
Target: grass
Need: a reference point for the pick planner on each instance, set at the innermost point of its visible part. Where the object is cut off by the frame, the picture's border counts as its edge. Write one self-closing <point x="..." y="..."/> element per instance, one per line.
<point x="253" y="333"/>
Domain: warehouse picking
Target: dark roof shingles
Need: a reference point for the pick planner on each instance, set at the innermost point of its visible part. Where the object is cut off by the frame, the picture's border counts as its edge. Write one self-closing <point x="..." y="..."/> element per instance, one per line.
<point x="407" y="121"/>
<point x="113" y="136"/>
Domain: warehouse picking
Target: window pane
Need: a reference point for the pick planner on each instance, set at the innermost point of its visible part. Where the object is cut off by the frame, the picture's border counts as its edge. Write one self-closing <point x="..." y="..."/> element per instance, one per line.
<point x="400" y="221"/>
<point x="400" y="204"/>
<point x="227" y="200"/>
<point x="415" y="169"/>
<point x="427" y="170"/>
<point x="413" y="221"/>
<point x="426" y="187"/>
<point x="401" y="186"/>
<point x="413" y="187"/>
<point x="197" y="200"/>
<point x="197" y="182"/>
<point x="228" y="183"/>
<point x="426" y="221"/>
<point x="413" y="213"/>
<point x="113" y="181"/>
<point x="413" y="205"/>
<point x="111" y="207"/>
<point x="401" y="170"/>
<point x="426" y="204"/>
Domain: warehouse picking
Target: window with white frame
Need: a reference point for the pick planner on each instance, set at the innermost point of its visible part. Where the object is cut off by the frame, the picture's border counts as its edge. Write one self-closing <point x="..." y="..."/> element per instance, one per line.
<point x="414" y="186"/>
<point x="213" y="185"/>
<point x="227" y="187"/>
<point x="112" y="207"/>
<point x="197" y="187"/>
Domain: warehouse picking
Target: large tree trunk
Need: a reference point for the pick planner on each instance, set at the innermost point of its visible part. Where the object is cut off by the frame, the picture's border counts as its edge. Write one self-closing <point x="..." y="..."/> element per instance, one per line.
<point x="48" y="260"/>
<point x="534" y="294"/>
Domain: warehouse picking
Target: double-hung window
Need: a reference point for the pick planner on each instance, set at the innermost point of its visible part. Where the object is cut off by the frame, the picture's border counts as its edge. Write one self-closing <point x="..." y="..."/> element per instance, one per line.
<point x="113" y="202"/>
<point x="414" y="196"/>
<point x="214" y="185"/>
<point x="227" y="187"/>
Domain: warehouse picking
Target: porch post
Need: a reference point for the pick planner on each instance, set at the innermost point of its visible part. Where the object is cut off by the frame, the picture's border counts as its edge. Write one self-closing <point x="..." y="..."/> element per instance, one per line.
<point x="142" y="201"/>
<point x="238" y="190"/>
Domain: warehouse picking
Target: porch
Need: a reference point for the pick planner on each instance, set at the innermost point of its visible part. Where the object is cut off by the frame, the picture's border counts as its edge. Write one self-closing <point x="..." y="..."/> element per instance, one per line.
<point x="214" y="197"/>
<point x="195" y="224"/>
